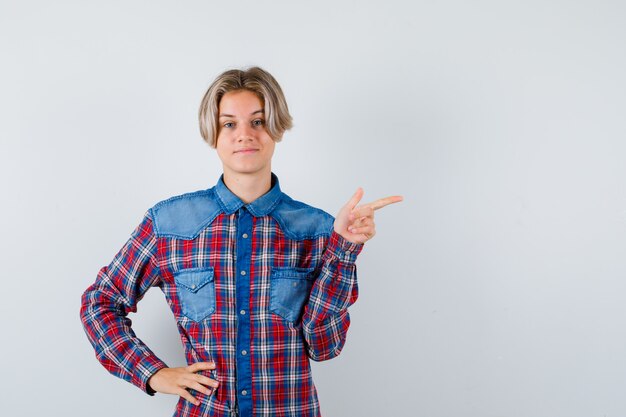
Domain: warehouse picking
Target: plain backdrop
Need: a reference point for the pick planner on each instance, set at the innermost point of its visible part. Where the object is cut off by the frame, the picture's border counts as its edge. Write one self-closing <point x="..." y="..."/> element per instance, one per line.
<point x="496" y="289"/>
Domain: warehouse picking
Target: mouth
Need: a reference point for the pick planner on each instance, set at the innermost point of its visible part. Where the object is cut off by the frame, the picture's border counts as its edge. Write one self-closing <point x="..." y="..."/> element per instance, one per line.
<point x="246" y="151"/>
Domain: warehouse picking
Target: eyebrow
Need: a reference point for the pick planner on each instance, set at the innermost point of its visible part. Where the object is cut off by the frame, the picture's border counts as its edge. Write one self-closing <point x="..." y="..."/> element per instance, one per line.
<point x="253" y="113"/>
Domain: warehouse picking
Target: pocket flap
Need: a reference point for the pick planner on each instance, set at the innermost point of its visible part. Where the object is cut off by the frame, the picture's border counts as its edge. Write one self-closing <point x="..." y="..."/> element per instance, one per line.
<point x="292" y="273"/>
<point x="194" y="279"/>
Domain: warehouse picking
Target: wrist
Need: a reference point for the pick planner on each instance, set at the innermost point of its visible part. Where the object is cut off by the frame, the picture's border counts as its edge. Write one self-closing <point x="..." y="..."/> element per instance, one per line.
<point x="343" y="249"/>
<point x="147" y="383"/>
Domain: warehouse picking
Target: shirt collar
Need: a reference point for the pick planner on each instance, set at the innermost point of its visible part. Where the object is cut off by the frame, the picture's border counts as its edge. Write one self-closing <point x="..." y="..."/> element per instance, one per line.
<point x="259" y="207"/>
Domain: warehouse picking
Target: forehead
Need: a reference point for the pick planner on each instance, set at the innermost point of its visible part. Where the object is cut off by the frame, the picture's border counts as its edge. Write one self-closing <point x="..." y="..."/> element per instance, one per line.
<point x="241" y="102"/>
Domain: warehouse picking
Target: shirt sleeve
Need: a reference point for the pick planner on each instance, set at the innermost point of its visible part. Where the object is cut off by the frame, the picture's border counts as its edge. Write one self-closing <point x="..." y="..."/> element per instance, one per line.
<point x="326" y="320"/>
<point x="107" y="302"/>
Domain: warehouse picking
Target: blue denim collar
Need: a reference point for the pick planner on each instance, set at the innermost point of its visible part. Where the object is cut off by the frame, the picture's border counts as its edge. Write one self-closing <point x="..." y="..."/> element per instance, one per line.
<point x="259" y="207"/>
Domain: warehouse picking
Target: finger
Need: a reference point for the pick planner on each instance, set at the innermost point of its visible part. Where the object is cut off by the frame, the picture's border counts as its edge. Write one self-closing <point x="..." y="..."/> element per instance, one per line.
<point x="382" y="202"/>
<point x="356" y="223"/>
<point x="206" y="381"/>
<point x="360" y="222"/>
<point x="363" y="222"/>
<point x="186" y="395"/>
<point x="368" y="231"/>
<point x="200" y="388"/>
<point x="362" y="211"/>
<point x="356" y="197"/>
<point x="201" y="366"/>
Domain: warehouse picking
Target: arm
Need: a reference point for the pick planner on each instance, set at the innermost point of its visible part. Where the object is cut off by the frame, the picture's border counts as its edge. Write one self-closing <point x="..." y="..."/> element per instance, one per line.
<point x="107" y="302"/>
<point x="326" y="320"/>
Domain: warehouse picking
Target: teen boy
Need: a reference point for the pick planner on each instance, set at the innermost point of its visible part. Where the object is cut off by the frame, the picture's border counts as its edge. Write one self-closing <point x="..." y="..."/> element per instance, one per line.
<point x="258" y="283"/>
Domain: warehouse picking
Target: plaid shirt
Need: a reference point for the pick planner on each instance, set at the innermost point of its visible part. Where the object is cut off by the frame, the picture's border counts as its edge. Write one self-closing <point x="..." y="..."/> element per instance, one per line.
<point x="257" y="288"/>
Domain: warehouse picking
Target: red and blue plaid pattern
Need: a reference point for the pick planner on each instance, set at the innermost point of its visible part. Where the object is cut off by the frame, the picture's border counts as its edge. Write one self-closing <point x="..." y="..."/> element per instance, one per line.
<point x="255" y="260"/>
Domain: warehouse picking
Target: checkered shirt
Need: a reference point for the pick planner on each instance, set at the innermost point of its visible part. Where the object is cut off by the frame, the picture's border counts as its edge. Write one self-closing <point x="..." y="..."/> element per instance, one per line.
<point x="258" y="288"/>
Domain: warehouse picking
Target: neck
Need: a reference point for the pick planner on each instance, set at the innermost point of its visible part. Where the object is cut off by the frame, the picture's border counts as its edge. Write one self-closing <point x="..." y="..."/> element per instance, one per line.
<point x="248" y="187"/>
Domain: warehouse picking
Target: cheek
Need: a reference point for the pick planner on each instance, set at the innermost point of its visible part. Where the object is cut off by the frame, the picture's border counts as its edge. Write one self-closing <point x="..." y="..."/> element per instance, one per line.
<point x="222" y="140"/>
<point x="221" y="147"/>
<point x="270" y="146"/>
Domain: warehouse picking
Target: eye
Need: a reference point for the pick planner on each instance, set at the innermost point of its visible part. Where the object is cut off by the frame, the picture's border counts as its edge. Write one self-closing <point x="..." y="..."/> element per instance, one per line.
<point x="228" y="125"/>
<point x="258" y="122"/>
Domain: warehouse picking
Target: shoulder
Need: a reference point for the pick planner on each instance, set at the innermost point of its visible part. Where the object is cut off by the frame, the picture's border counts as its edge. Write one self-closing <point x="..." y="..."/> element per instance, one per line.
<point x="302" y="221"/>
<point x="186" y="214"/>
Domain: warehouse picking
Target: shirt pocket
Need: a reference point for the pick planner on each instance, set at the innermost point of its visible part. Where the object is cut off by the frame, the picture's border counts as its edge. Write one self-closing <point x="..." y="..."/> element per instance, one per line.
<point x="196" y="292"/>
<point x="289" y="291"/>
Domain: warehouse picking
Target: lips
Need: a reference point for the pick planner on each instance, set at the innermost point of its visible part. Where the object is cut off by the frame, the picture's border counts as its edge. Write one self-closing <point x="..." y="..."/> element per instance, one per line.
<point x="246" y="151"/>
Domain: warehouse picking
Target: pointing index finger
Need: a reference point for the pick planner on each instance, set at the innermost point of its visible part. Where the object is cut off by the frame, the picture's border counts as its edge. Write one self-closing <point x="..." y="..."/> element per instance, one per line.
<point x="382" y="202"/>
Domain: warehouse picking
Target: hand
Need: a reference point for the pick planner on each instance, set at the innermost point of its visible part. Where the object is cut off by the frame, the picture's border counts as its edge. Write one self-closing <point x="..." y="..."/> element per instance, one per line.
<point x="177" y="380"/>
<point x="356" y="224"/>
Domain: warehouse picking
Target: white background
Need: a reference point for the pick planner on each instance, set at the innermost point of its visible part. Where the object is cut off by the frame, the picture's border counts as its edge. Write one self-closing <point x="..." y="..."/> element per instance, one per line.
<point x="496" y="289"/>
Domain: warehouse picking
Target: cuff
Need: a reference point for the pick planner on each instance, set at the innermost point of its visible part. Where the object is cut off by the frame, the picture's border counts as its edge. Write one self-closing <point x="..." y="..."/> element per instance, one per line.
<point x="145" y="368"/>
<point x="343" y="249"/>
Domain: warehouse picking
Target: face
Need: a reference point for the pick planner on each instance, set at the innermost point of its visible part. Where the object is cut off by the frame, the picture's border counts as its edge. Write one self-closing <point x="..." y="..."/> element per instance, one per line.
<point x="243" y="144"/>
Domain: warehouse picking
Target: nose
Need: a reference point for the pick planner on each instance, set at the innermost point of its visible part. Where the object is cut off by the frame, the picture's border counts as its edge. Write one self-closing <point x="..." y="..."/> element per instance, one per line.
<point x="244" y="132"/>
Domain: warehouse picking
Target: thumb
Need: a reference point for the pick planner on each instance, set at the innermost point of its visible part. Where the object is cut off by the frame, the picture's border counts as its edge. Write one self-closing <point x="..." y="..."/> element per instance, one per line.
<point x="354" y="200"/>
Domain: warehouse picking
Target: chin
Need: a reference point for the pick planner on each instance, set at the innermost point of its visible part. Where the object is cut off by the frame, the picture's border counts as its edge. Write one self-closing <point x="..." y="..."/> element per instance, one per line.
<point x="247" y="170"/>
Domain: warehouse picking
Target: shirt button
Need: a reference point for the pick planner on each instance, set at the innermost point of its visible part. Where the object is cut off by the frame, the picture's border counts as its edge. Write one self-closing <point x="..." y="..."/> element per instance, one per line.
<point x="244" y="392"/>
<point x="245" y="235"/>
<point x="244" y="352"/>
<point x="243" y="272"/>
<point x="242" y="312"/>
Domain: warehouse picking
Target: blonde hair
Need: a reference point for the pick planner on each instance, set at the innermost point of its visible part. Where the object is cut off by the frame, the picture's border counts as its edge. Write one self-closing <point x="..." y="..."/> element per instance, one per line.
<point x="256" y="80"/>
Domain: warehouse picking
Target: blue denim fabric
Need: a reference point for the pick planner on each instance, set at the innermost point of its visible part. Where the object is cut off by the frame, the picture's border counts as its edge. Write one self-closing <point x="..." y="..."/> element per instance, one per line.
<point x="186" y="215"/>
<point x="289" y="291"/>
<point x="196" y="290"/>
